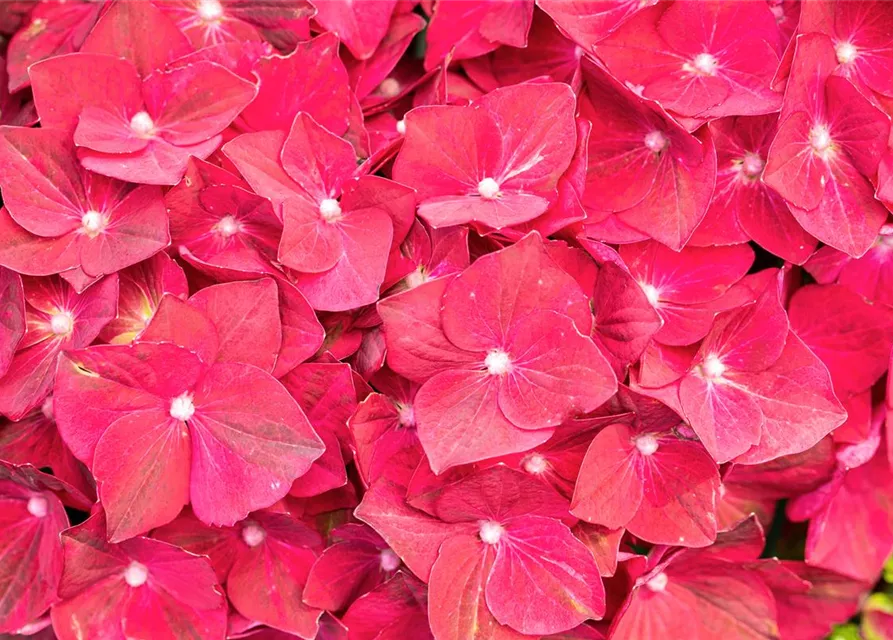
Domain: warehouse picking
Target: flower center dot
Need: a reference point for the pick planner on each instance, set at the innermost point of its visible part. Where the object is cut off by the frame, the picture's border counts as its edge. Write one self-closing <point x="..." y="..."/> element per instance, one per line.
<point x="752" y="166"/>
<point x="406" y="415"/>
<point x="389" y="87"/>
<point x="47" y="408"/>
<point x="401" y="127"/>
<point x="488" y="188"/>
<point x="136" y="574"/>
<point x="535" y="464"/>
<point x="491" y="532"/>
<point x="656" y="141"/>
<point x="330" y="210"/>
<point x="713" y="368"/>
<point x="389" y="560"/>
<point x="253" y="534"/>
<point x="38" y="506"/>
<point x="61" y="323"/>
<point x="182" y="407"/>
<point x="658" y="583"/>
<point x="846" y="52"/>
<point x="498" y="363"/>
<point x="417" y="277"/>
<point x="228" y="226"/>
<point x="651" y="293"/>
<point x="142" y="124"/>
<point x="93" y="223"/>
<point x="820" y="139"/>
<point x="705" y="64"/>
<point x="210" y="10"/>
<point x="646" y="444"/>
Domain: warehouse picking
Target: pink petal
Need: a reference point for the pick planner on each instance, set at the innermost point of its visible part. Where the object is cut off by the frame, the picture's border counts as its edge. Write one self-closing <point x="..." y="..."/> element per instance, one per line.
<point x="284" y="83"/>
<point x="417" y="346"/>
<point x="556" y="372"/>
<point x="483" y="304"/>
<point x="31" y="565"/>
<point x="140" y="33"/>
<point x="460" y="421"/>
<point x="267" y="580"/>
<point x="413" y="535"/>
<point x="246" y="318"/>
<point x="85" y="80"/>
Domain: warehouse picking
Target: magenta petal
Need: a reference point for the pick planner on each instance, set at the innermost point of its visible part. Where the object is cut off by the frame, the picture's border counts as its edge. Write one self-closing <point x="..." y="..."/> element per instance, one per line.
<point x="12" y="318"/>
<point x="284" y="83"/>
<point x="159" y="163"/>
<point x="267" y="579"/>
<point x="142" y="468"/>
<point x="137" y="229"/>
<point x="543" y="580"/>
<point x="31" y="565"/>
<point x="175" y="98"/>
<point x="457" y="606"/>
<point x="609" y="487"/>
<point x="250" y="441"/>
<point x="412" y="534"/>
<point x="97" y="386"/>
<point x="417" y="346"/>
<point x="356" y="278"/>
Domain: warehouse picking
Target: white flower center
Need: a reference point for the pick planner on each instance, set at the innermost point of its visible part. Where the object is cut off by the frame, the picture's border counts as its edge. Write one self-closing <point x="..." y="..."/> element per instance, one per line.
<point x="488" y="188"/>
<point x="713" y="368"/>
<point x="389" y="560"/>
<point x="535" y="464"/>
<point x="136" y="574"/>
<point x="61" y="323"/>
<point x="47" y="408"/>
<point x="182" y="407"/>
<point x="651" y="293"/>
<point x="406" y="415"/>
<point x="646" y="444"/>
<point x="93" y="223"/>
<point x="498" y="363"/>
<point x="389" y="87"/>
<point x="705" y="64"/>
<point x="142" y="124"/>
<point x="846" y="52"/>
<point x="227" y="226"/>
<point x="820" y="139"/>
<point x="752" y="165"/>
<point x="401" y="127"/>
<point x="656" y="141"/>
<point x="38" y="506"/>
<point x="253" y="534"/>
<point x="210" y="10"/>
<point x="658" y="583"/>
<point x="491" y="532"/>
<point x="330" y="210"/>
<point x="416" y="277"/>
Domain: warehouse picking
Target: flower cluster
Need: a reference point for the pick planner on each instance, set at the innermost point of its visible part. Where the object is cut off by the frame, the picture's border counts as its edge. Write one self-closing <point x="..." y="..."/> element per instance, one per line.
<point x="445" y="319"/>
